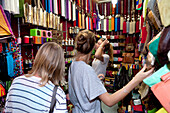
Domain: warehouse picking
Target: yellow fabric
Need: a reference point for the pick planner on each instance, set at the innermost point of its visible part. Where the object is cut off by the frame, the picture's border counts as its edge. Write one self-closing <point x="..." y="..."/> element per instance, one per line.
<point x="4" y="30"/>
<point x="162" y="110"/>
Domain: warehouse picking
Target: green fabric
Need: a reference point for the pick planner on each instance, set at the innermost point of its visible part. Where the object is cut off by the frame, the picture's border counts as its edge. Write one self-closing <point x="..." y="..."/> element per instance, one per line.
<point x="152" y="111"/>
<point x="110" y="9"/>
<point x="153" y="47"/>
<point x="21" y="9"/>
<point x="156" y="77"/>
<point x="110" y="23"/>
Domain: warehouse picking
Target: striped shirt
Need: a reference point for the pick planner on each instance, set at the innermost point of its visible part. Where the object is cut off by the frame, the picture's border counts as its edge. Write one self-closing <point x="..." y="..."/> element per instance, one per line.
<point x="26" y="96"/>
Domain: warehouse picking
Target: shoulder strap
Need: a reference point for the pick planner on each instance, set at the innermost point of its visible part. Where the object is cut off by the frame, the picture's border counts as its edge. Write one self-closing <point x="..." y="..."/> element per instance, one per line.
<point x="53" y="100"/>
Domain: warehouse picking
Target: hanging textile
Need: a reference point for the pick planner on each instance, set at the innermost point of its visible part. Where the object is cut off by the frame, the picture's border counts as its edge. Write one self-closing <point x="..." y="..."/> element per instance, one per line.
<point x="63" y="12"/>
<point x="91" y="22"/>
<point x="112" y="23"/>
<point x="77" y="14"/>
<point x="87" y="24"/>
<point x="59" y="7"/>
<point x="83" y="21"/>
<point x="124" y="26"/>
<point x="51" y="5"/>
<point x="11" y="5"/>
<point x="115" y="23"/>
<point x="79" y="20"/>
<point x="94" y="21"/>
<point x="67" y="9"/>
<point x="118" y="23"/>
<point x="21" y="9"/>
<point x="105" y="25"/>
<point x="137" y="26"/>
<point x="102" y="24"/>
<point x="55" y="6"/>
<point x="70" y="10"/>
<point x="121" y="23"/>
<point x="48" y="6"/>
<point x="5" y="28"/>
<point x="74" y="11"/>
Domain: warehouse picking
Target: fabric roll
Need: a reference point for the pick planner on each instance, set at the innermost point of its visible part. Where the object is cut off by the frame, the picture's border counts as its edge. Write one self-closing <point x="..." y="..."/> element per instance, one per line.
<point x="112" y="23"/>
<point x="121" y="23"/>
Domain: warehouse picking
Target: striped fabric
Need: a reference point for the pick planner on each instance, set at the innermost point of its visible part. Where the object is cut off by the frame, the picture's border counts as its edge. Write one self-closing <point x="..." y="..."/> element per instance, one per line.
<point x="26" y="96"/>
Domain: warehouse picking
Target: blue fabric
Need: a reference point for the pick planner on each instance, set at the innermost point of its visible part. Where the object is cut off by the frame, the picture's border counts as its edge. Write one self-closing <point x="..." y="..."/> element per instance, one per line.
<point x="118" y="23"/>
<point x="115" y="24"/>
<point x="10" y="64"/>
<point x="77" y="17"/>
<point x="48" y="6"/>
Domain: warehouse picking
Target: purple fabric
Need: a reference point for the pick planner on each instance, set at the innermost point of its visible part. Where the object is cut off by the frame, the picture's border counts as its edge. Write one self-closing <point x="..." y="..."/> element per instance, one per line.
<point x="118" y="23"/>
<point x="67" y="10"/>
<point x="107" y="24"/>
<point x="108" y="9"/>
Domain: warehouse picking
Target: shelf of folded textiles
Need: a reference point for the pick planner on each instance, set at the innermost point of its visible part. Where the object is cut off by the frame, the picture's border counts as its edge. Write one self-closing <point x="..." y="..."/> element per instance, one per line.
<point x="68" y="56"/>
<point x="24" y="44"/>
<point x="68" y="45"/>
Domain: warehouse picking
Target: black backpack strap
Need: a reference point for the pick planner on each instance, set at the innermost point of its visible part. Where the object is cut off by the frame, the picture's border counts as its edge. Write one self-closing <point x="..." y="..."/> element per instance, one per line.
<point x="53" y="100"/>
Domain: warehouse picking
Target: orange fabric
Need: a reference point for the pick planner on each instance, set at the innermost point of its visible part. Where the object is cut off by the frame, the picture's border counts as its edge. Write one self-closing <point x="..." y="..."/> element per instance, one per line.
<point x="113" y="10"/>
<point x="91" y="23"/>
<point x="161" y="91"/>
<point x="2" y="91"/>
<point x="112" y="23"/>
<point x="79" y="17"/>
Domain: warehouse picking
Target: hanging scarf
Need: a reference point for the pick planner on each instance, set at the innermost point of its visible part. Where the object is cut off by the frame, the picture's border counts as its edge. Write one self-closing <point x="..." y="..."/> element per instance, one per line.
<point x="91" y="22"/>
<point x="55" y="6"/>
<point x="79" y="19"/>
<point x="124" y="26"/>
<point x="73" y="11"/>
<point x="70" y="10"/>
<point x="77" y="14"/>
<point x="87" y="24"/>
<point x="116" y="23"/>
<point x="51" y="6"/>
<point x="63" y="12"/>
<point x="121" y="23"/>
<point x="83" y="21"/>
<point x="67" y="8"/>
<point x="107" y="24"/>
<point x="112" y="23"/>
<point x="59" y="7"/>
<point x="102" y="24"/>
<point x="137" y="26"/>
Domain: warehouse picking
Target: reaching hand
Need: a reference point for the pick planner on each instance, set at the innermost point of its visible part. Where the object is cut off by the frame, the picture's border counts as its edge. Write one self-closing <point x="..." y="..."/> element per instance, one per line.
<point x="101" y="76"/>
<point x="105" y="42"/>
<point x="142" y="75"/>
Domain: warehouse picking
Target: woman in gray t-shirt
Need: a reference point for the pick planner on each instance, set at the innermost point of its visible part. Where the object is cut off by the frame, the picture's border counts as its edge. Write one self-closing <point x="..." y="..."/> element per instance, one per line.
<point x="85" y="88"/>
<point x="101" y="59"/>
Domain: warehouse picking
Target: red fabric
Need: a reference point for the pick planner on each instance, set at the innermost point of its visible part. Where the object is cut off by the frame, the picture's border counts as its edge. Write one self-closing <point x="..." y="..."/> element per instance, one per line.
<point x="59" y="7"/>
<point x="144" y="34"/>
<point x="74" y="22"/>
<point x="91" y="23"/>
<point x="142" y="20"/>
<point x="125" y="8"/>
<point x="161" y="91"/>
<point x="43" y="4"/>
<point x="124" y="27"/>
<point x="0" y="47"/>
<point x="137" y="107"/>
<point x="137" y="27"/>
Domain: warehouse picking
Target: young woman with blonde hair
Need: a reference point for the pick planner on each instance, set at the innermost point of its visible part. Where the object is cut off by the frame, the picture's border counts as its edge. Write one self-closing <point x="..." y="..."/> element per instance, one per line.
<point x="33" y="92"/>
<point x="101" y="59"/>
<point x="85" y="88"/>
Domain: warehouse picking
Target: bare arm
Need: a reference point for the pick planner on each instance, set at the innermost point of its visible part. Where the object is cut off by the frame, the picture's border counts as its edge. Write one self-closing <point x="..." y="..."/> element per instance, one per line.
<point x="114" y="98"/>
<point x="99" y="51"/>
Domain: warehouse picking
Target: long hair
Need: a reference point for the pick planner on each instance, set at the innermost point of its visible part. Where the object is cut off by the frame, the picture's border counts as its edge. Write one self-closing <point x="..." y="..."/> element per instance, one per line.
<point x="49" y="64"/>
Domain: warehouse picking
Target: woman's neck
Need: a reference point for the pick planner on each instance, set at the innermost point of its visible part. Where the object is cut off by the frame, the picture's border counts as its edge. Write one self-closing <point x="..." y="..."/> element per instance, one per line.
<point x="82" y="57"/>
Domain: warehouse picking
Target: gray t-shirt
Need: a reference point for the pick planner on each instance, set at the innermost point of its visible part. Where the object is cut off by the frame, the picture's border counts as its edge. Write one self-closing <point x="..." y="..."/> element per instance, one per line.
<point x="84" y="88"/>
<point x="99" y="66"/>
